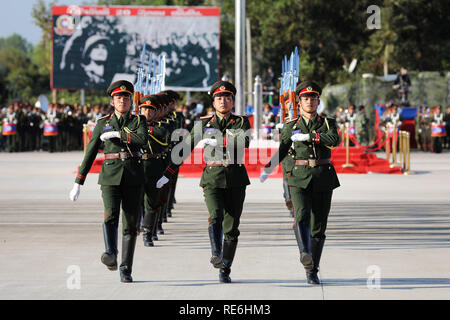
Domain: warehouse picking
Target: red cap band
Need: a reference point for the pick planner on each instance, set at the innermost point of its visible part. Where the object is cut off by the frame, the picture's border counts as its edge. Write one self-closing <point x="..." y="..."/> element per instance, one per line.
<point x="222" y="89"/>
<point x="308" y="90"/>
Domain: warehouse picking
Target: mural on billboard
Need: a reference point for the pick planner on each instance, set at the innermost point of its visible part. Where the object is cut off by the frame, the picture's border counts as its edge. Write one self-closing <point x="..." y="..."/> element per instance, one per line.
<point x="92" y="51"/>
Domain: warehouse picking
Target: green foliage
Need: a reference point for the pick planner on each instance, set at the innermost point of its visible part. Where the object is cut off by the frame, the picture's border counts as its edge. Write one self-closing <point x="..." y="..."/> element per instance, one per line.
<point x="329" y="34"/>
<point x="19" y="77"/>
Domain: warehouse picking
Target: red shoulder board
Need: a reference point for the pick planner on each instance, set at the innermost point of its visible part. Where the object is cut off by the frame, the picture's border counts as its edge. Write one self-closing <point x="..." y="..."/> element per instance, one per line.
<point x="292" y="120"/>
<point x="206" y="117"/>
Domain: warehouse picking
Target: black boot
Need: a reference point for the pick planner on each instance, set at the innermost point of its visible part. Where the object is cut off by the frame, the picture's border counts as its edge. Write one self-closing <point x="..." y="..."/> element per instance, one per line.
<point x="316" y="250"/>
<point x="109" y="257"/>
<point x="149" y="227"/>
<point x="229" y="249"/>
<point x="147" y="237"/>
<point x="128" y="245"/>
<point x="164" y="213"/>
<point x="154" y="227"/>
<point x="159" y="228"/>
<point x="215" y="237"/>
<point x="302" y="234"/>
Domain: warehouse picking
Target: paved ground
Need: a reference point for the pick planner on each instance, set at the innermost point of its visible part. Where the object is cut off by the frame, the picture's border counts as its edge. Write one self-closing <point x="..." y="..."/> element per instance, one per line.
<point x="388" y="238"/>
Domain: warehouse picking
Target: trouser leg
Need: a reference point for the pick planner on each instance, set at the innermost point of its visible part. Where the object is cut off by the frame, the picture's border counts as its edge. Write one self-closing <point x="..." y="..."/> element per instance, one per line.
<point x="111" y="196"/>
<point x="225" y="209"/>
<point x="312" y="208"/>
<point x="132" y="198"/>
<point x="152" y="206"/>
<point x="287" y="197"/>
<point x="215" y="199"/>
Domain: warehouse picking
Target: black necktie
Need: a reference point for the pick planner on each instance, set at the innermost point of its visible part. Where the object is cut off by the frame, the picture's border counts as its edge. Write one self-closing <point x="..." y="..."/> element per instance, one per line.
<point x="223" y="123"/>
<point x="121" y="121"/>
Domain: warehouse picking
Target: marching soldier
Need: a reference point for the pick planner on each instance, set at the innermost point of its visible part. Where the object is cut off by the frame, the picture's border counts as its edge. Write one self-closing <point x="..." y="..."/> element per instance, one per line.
<point x="155" y="153"/>
<point x="179" y="120"/>
<point x="312" y="178"/>
<point x="225" y="178"/>
<point x="122" y="174"/>
<point x="168" y="122"/>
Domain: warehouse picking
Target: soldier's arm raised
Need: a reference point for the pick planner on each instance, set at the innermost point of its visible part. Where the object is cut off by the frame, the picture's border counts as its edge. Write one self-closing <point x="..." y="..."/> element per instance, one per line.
<point x="137" y="136"/>
<point x="330" y="138"/>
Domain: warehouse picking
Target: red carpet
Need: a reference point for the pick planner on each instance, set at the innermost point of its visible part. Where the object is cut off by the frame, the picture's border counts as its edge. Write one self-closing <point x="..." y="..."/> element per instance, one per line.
<point x="362" y="162"/>
<point x="256" y="158"/>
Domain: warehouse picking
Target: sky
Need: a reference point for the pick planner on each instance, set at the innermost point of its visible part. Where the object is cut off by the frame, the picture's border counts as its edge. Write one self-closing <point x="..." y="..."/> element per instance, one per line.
<point x="16" y="17"/>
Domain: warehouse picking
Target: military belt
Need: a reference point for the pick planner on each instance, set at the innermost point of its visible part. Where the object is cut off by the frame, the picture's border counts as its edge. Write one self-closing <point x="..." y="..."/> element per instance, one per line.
<point x="122" y="155"/>
<point x="147" y="156"/>
<point x="222" y="164"/>
<point x="312" y="162"/>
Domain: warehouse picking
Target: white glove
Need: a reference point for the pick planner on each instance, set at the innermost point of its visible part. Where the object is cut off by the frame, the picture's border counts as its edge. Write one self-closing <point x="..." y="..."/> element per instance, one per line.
<point x="300" y="137"/>
<point x="211" y="142"/>
<point x="161" y="182"/>
<point x="279" y="126"/>
<point x="263" y="177"/>
<point x="108" y="135"/>
<point x="75" y="192"/>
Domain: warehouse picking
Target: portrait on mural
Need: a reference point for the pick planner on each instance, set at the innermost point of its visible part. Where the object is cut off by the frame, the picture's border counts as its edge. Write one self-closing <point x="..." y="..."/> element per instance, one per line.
<point x="92" y="51"/>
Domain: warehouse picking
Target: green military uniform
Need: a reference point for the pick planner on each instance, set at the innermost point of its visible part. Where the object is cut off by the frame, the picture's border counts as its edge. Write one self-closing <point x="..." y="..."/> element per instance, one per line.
<point x="121" y="178"/>
<point x="168" y="122"/>
<point x="312" y="179"/>
<point x="154" y="158"/>
<point x="179" y="125"/>
<point x="362" y="127"/>
<point x="224" y="177"/>
<point x="425" y="121"/>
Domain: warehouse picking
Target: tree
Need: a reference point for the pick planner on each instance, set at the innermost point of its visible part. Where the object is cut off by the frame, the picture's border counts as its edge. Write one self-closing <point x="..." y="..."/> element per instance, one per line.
<point x="19" y="78"/>
<point x="329" y="35"/>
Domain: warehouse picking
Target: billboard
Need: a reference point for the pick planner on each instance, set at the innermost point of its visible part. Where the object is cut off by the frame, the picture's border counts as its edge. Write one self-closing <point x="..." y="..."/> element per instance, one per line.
<point x="93" y="46"/>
